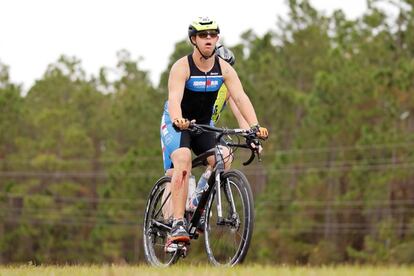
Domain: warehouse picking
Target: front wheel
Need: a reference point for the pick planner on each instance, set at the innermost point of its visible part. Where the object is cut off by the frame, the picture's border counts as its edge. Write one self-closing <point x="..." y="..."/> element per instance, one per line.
<point x="227" y="239"/>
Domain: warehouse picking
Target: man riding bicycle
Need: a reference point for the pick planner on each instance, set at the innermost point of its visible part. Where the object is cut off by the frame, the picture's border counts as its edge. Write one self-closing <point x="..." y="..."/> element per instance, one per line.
<point x="193" y="86"/>
<point x="223" y="99"/>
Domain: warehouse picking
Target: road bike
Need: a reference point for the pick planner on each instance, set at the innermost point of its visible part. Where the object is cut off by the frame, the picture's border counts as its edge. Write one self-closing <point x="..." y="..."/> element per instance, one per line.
<point x="226" y="206"/>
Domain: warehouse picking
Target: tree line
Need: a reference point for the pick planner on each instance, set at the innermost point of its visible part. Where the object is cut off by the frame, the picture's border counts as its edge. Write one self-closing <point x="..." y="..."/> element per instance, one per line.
<point x="79" y="154"/>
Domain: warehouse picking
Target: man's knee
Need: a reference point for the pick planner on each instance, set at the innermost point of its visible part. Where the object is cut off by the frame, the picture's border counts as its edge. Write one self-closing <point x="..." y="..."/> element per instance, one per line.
<point x="181" y="158"/>
<point x="211" y="160"/>
<point x="169" y="172"/>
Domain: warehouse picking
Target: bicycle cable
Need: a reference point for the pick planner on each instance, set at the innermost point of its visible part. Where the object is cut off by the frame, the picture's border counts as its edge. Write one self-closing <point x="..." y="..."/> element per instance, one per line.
<point x="232" y="150"/>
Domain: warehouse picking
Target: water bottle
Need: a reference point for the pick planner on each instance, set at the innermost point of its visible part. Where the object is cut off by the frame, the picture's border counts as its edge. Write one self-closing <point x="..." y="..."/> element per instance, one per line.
<point x="202" y="185"/>
<point x="191" y="191"/>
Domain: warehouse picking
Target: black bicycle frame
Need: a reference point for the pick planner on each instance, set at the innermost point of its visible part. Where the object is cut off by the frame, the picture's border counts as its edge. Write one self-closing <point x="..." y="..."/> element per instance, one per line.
<point x="213" y="181"/>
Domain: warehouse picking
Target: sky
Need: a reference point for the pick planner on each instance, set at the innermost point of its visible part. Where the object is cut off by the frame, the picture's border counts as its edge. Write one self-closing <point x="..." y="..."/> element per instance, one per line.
<point x="34" y="34"/>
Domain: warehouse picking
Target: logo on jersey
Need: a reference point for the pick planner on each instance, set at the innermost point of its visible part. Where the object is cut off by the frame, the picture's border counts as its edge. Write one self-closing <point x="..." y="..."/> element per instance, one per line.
<point x="204" y="84"/>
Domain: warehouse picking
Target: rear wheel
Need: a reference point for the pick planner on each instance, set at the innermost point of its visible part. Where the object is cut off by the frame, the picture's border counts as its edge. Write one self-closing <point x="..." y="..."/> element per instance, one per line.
<point x="156" y="227"/>
<point x="227" y="241"/>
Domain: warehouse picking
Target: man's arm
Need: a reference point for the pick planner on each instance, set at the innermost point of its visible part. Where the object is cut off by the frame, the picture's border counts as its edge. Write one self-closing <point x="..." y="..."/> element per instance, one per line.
<point x="237" y="93"/>
<point x="176" y="82"/>
<point x="239" y="117"/>
<point x="242" y="101"/>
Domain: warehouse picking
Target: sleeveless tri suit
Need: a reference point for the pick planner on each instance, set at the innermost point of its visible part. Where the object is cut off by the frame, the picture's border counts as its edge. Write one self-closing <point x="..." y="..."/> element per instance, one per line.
<point x="204" y="98"/>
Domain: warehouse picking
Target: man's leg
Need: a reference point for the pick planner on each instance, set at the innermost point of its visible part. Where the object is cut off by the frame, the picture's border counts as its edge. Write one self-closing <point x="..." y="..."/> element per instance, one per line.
<point x="179" y="183"/>
<point x="179" y="187"/>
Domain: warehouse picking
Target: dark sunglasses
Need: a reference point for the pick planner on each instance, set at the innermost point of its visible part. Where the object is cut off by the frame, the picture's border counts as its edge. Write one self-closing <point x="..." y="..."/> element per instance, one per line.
<point x="204" y="34"/>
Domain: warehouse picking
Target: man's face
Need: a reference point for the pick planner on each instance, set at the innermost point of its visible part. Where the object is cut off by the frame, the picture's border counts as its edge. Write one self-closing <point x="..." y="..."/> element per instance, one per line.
<point x="206" y="41"/>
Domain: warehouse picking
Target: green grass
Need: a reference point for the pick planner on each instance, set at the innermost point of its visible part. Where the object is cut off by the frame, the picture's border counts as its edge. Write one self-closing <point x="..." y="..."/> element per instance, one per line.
<point x="182" y="270"/>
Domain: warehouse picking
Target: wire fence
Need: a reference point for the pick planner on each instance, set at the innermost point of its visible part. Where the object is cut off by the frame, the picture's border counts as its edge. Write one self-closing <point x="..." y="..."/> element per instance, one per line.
<point x="296" y="151"/>
<point x="297" y="169"/>
<point x="322" y="215"/>
<point x="312" y="214"/>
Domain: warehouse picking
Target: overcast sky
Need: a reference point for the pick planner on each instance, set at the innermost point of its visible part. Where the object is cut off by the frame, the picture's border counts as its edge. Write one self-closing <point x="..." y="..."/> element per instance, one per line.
<point x="34" y="34"/>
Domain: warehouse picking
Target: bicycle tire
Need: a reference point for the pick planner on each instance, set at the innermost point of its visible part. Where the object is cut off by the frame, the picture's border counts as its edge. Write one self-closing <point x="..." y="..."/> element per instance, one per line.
<point x="154" y="238"/>
<point x="219" y="238"/>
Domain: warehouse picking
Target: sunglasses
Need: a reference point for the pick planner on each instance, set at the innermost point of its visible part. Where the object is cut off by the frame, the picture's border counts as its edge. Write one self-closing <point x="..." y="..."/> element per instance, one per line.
<point x="204" y="34"/>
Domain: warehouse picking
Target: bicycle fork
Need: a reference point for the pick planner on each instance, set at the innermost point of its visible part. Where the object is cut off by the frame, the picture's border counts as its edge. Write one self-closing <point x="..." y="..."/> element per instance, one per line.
<point x="227" y="190"/>
<point x="230" y="199"/>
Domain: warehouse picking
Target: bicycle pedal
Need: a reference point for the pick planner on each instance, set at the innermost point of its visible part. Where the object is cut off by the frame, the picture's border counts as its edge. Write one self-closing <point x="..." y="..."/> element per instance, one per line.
<point x="182" y="247"/>
<point x="172" y="248"/>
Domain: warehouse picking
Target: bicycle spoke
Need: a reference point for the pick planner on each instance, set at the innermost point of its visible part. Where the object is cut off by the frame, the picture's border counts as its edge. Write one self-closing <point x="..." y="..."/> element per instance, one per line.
<point x="162" y="205"/>
<point x="240" y="236"/>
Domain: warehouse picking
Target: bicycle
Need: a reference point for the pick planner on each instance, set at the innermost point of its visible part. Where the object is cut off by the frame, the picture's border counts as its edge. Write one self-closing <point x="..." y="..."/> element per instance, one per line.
<point x="228" y="231"/>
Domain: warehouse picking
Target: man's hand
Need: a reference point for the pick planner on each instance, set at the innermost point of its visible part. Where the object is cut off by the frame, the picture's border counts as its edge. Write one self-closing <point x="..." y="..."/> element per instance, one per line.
<point x="261" y="132"/>
<point x="181" y="123"/>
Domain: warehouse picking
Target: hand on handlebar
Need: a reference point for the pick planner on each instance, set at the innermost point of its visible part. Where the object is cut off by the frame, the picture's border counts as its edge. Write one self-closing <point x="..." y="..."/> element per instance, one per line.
<point x="181" y="123"/>
<point x="261" y="132"/>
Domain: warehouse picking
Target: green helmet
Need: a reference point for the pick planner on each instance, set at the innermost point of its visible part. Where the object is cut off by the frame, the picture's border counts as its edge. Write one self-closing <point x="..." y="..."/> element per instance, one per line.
<point x="202" y="24"/>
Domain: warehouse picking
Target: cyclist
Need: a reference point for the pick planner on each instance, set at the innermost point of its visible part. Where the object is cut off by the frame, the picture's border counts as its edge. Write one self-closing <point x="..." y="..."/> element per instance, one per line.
<point x="193" y="86"/>
<point x="223" y="98"/>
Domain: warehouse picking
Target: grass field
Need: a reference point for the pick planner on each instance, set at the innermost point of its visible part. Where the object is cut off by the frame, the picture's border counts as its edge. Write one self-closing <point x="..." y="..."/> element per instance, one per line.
<point x="181" y="270"/>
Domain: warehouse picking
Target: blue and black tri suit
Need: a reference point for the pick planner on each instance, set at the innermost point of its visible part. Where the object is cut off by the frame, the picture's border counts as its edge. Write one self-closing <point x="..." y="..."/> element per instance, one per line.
<point x="200" y="94"/>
